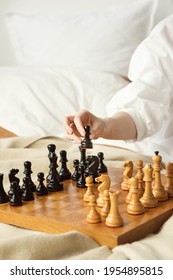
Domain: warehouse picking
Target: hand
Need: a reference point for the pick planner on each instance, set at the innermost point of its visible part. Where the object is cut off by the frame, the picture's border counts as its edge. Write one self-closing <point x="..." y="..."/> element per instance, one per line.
<point x="74" y="126"/>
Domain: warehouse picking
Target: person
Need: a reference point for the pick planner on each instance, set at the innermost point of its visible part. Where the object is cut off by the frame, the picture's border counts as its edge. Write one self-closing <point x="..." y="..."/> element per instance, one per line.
<point x="141" y="113"/>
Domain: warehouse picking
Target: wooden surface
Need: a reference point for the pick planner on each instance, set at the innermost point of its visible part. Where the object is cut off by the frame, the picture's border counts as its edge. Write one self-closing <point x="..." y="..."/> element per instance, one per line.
<point x="5" y="133"/>
<point x="64" y="211"/>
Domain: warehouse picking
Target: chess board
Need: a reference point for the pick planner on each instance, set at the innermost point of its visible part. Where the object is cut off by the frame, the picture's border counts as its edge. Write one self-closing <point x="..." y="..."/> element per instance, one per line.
<point x="5" y="133"/>
<point x="60" y="212"/>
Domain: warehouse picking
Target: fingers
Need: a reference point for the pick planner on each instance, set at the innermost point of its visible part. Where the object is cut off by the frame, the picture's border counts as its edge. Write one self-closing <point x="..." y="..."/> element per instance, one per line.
<point x="72" y="133"/>
<point x="73" y="137"/>
<point x="80" y="120"/>
<point x="68" y="121"/>
<point x="74" y="126"/>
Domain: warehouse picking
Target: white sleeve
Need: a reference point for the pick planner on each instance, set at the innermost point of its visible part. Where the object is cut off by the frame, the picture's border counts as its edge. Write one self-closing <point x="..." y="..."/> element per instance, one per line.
<point x="148" y="97"/>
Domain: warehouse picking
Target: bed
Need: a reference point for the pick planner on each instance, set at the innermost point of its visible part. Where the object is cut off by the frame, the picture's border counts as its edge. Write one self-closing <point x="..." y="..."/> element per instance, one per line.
<point x="56" y="58"/>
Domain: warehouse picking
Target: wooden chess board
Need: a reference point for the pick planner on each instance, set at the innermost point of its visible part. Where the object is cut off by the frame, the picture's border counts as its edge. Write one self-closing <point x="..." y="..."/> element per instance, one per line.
<point x="63" y="211"/>
<point x="5" y="133"/>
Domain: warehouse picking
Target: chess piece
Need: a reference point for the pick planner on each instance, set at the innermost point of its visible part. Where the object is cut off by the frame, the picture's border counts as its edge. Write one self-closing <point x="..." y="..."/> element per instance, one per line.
<point x="28" y="172"/>
<point x="27" y="193"/>
<point x="75" y="175"/>
<point x="10" y="192"/>
<point x="104" y="179"/>
<point x="140" y="175"/>
<point x="3" y="196"/>
<point x="15" y="199"/>
<point x="89" y="191"/>
<point x="91" y="170"/>
<point x="135" y="206"/>
<point x="93" y="216"/>
<point x="158" y="189"/>
<point x="148" y="199"/>
<point x="102" y="168"/>
<point x="106" y="206"/>
<point x="86" y="142"/>
<point x="64" y="173"/>
<point x="169" y="178"/>
<point x="129" y="195"/>
<point x="52" y="158"/>
<point x="12" y="177"/>
<point x="53" y="181"/>
<point x="114" y="218"/>
<point x="80" y="183"/>
<point x="127" y="174"/>
<point x="41" y="188"/>
<point x="82" y="156"/>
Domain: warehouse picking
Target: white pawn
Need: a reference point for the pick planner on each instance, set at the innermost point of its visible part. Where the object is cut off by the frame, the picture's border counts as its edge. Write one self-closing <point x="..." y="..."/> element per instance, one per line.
<point x="169" y="179"/>
<point x="140" y="175"/>
<point x="93" y="216"/>
<point x="148" y="199"/>
<point x="114" y="218"/>
<point x="135" y="206"/>
<point x="89" y="191"/>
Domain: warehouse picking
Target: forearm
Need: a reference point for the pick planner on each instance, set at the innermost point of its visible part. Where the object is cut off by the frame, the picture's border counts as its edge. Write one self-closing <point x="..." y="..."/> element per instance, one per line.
<point x="120" y="127"/>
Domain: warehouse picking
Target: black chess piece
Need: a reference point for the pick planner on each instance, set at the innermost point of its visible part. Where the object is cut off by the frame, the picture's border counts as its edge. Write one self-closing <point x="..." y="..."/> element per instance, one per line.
<point x="86" y="142"/>
<point x="41" y="188"/>
<point x="82" y="156"/>
<point x="15" y="199"/>
<point x="64" y="173"/>
<point x="12" y="177"/>
<point x="75" y="175"/>
<point x="80" y="183"/>
<point x="51" y="154"/>
<point x="3" y="196"/>
<point x="53" y="181"/>
<point x="27" y="193"/>
<point x="92" y="167"/>
<point x="10" y="192"/>
<point x="102" y="168"/>
<point x="28" y="172"/>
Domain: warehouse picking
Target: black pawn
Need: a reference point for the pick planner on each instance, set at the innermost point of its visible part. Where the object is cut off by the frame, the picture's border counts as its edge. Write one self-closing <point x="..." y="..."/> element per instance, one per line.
<point x="3" y="196"/>
<point x="41" y="188"/>
<point x="81" y="181"/>
<point x="15" y="199"/>
<point x="27" y="193"/>
<point x="28" y="172"/>
<point x="86" y="142"/>
<point x="75" y="175"/>
<point x="102" y="168"/>
<point x="64" y="173"/>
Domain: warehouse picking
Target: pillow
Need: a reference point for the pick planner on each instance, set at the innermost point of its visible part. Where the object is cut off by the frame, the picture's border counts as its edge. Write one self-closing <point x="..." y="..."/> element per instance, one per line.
<point x="35" y="100"/>
<point x="101" y="41"/>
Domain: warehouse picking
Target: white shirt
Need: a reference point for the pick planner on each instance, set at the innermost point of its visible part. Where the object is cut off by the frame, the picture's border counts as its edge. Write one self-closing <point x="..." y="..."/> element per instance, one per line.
<point x="149" y="97"/>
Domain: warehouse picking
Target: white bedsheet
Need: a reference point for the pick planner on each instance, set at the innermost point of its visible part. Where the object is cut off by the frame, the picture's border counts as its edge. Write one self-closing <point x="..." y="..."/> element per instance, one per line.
<point x="35" y="100"/>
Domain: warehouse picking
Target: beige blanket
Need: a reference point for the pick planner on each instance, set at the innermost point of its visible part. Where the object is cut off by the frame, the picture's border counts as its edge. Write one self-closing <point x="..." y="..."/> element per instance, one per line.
<point x="17" y="243"/>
